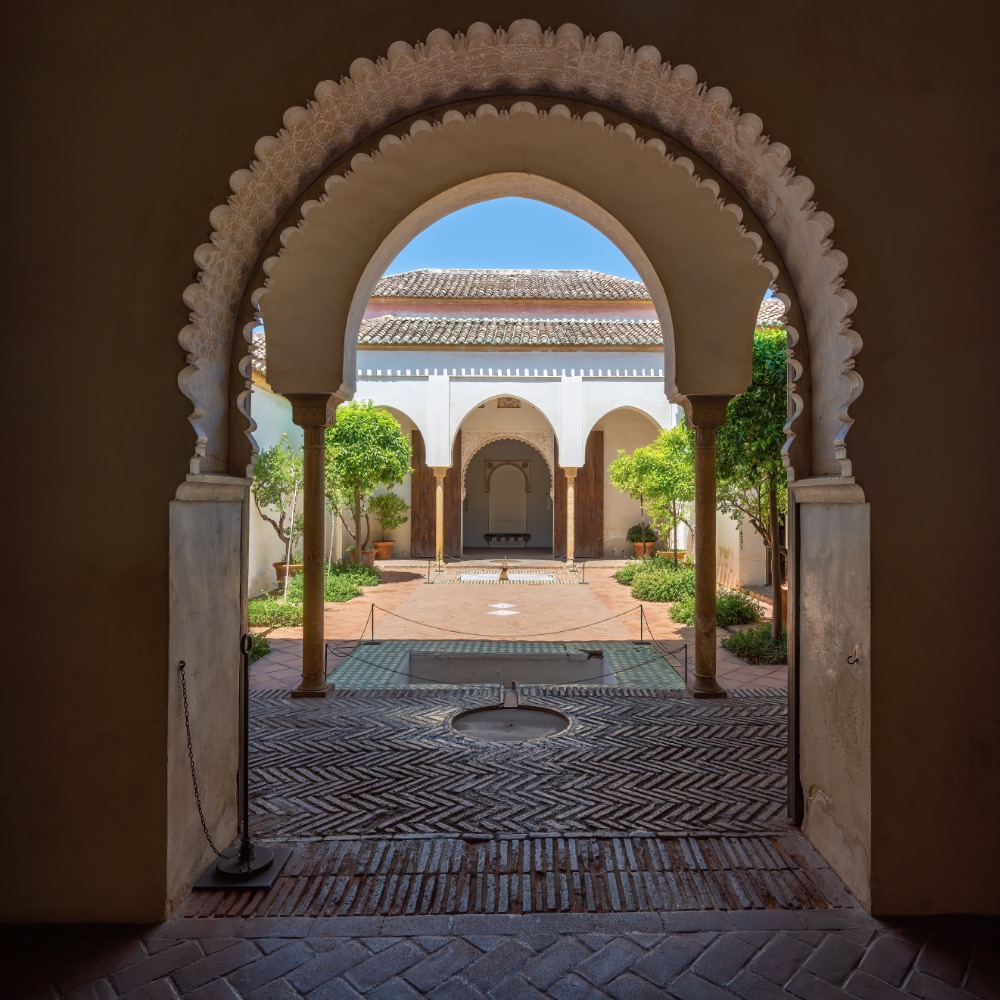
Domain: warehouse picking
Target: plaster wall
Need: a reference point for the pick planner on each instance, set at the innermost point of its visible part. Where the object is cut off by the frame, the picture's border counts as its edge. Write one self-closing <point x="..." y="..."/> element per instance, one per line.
<point x="835" y="696"/>
<point x="624" y="430"/>
<point x="556" y="308"/>
<point x="273" y="416"/>
<point x="740" y="553"/>
<point x="862" y="136"/>
<point x="537" y="509"/>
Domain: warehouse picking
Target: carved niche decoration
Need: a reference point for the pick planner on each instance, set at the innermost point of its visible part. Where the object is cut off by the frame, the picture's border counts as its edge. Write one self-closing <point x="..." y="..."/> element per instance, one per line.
<point x="523" y="465"/>
<point x="508" y="403"/>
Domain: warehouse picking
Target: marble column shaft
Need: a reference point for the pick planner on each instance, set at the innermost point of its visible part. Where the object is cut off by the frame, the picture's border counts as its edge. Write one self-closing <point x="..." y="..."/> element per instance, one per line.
<point x="570" y="474"/>
<point x="439" y="474"/>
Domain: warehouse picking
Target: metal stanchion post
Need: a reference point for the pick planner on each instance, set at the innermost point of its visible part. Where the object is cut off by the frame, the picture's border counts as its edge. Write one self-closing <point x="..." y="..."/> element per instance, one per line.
<point x="642" y="640"/>
<point x="372" y="641"/>
<point x="252" y="867"/>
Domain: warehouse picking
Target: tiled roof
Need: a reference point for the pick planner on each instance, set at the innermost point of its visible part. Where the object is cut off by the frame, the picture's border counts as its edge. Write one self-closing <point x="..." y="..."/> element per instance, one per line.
<point x="499" y="331"/>
<point x="455" y="283"/>
<point x="771" y="313"/>
<point x="439" y="331"/>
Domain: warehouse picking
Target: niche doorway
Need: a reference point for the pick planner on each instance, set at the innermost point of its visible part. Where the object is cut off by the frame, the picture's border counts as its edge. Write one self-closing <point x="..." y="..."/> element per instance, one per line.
<point x="507" y="509"/>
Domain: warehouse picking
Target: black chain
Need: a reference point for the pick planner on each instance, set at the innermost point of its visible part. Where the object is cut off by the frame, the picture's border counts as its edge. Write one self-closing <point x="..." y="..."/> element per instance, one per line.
<point x="194" y="776"/>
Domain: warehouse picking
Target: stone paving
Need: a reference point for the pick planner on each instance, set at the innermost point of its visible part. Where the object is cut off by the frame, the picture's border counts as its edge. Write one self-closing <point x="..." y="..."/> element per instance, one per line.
<point x="810" y="954"/>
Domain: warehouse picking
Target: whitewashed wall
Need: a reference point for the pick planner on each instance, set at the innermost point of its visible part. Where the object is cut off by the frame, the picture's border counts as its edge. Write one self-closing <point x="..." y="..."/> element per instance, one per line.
<point x="273" y="415"/>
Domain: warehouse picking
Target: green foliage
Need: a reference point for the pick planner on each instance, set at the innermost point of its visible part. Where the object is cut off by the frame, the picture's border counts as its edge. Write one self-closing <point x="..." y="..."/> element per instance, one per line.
<point x="755" y="645"/>
<point x="390" y="509"/>
<point x="660" y="476"/>
<point x="259" y="646"/>
<point x="640" y="533"/>
<point x="340" y="582"/>
<point x="661" y="583"/>
<point x="630" y="570"/>
<point x="748" y="444"/>
<point x="277" y="487"/>
<point x="270" y="612"/>
<point x="732" y="607"/>
<point x="365" y="449"/>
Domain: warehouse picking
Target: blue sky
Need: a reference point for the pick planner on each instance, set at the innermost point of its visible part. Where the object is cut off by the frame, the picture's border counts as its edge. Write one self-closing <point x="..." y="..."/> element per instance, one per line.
<point x="513" y="232"/>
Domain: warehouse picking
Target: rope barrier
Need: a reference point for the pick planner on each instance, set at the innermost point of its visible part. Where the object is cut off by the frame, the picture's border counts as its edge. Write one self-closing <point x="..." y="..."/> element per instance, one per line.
<point x="526" y="635"/>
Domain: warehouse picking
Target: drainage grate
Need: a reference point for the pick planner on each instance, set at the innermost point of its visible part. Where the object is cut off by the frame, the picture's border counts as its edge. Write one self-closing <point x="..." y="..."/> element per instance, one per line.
<point x="540" y="874"/>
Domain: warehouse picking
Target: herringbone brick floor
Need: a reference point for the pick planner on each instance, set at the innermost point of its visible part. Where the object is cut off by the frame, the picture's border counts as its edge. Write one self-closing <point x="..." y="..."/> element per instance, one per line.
<point x="811" y="954"/>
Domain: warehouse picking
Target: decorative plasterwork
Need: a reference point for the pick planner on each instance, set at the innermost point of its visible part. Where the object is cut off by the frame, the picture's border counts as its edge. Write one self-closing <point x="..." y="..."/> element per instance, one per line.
<point x="544" y="442"/>
<point x="491" y="465"/>
<point x="524" y="57"/>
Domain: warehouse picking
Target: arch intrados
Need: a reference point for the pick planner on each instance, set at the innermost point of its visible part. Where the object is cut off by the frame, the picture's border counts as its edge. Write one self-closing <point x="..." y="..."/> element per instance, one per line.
<point x="653" y="422"/>
<point x="528" y="394"/>
<point x="564" y="63"/>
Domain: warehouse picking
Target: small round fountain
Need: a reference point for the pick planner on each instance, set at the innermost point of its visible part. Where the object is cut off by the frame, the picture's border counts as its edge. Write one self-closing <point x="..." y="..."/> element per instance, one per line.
<point x="510" y="721"/>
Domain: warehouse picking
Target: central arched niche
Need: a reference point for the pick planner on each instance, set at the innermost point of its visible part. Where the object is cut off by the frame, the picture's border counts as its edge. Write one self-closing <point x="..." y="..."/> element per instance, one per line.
<point x="701" y="267"/>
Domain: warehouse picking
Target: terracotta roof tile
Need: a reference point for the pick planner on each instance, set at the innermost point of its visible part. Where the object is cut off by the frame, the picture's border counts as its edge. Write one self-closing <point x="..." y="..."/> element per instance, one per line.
<point x="455" y="283"/>
<point x="442" y="331"/>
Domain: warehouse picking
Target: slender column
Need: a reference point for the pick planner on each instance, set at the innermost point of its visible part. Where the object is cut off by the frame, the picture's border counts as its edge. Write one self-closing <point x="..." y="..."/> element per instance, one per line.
<point x="439" y="473"/>
<point x="312" y="412"/>
<point x="705" y="414"/>
<point x="570" y="473"/>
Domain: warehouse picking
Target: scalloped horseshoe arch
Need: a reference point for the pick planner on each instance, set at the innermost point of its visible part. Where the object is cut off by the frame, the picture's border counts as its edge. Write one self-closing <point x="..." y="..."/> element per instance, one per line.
<point x="480" y="63"/>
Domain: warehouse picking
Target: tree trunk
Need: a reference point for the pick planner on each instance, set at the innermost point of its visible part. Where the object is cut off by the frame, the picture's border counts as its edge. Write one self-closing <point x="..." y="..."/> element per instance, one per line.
<point x="674" y="507"/>
<point x="775" y="552"/>
<point x="357" y="525"/>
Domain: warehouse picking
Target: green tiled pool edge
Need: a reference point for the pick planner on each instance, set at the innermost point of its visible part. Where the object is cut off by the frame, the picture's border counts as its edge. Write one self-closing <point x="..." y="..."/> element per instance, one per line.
<point x="635" y="666"/>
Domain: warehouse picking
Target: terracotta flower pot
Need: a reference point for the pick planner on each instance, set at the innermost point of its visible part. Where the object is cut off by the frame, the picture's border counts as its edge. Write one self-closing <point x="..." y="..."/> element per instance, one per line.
<point x="383" y="550"/>
<point x="283" y="569"/>
<point x="368" y="557"/>
<point x="643" y="549"/>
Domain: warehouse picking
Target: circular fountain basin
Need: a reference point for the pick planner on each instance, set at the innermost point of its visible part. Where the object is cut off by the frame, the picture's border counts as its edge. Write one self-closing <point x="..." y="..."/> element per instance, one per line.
<point x="510" y="725"/>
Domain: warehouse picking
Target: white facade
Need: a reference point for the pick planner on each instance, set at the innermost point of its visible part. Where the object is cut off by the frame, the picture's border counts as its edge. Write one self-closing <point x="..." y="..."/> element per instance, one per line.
<point x="525" y="365"/>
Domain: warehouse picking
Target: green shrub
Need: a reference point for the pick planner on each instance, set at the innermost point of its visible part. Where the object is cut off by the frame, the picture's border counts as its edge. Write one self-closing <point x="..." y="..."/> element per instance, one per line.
<point x="664" y="583"/>
<point x="341" y="582"/>
<point x="755" y="645"/>
<point x="628" y="572"/>
<point x="736" y="607"/>
<point x="270" y="612"/>
<point x="640" y="533"/>
<point x="732" y="607"/>
<point x="259" y="646"/>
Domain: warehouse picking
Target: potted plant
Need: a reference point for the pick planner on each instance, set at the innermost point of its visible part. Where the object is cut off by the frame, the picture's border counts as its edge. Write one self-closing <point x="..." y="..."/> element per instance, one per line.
<point x="391" y="510"/>
<point x="643" y="539"/>
<point x="277" y="487"/>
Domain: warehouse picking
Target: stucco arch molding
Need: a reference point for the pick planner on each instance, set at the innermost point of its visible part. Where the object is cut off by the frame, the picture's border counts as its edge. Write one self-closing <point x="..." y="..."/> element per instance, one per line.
<point x="478" y="62"/>
<point x="543" y="442"/>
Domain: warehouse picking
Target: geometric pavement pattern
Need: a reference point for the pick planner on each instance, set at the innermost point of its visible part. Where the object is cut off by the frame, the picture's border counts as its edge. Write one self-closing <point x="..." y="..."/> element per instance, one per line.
<point x="691" y="956"/>
<point x="632" y="761"/>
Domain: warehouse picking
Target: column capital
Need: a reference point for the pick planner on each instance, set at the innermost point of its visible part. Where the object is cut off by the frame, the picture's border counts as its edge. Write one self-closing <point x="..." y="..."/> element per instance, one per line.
<point x="570" y="471"/>
<point x="706" y="411"/>
<point x="313" y="409"/>
<point x="440" y="471"/>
